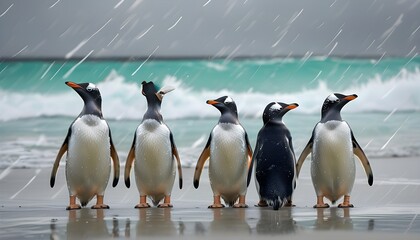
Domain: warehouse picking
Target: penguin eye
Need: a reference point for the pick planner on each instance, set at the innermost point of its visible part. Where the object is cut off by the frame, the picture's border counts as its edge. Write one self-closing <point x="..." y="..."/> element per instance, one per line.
<point x="228" y="100"/>
<point x="90" y="87"/>
<point x="276" y="107"/>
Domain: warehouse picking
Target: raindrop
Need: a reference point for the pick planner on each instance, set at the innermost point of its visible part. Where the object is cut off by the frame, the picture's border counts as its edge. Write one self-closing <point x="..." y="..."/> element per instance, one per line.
<point x="296" y="16"/>
<point x="48" y="69"/>
<point x="175" y="23"/>
<point x="113" y="39"/>
<point x="144" y="61"/>
<point x="118" y="4"/>
<point x="390" y="30"/>
<point x="205" y="4"/>
<point x="6" y="10"/>
<point x="23" y="49"/>
<point x="54" y="4"/>
<point x="390" y="114"/>
<point x="412" y="34"/>
<point x="76" y="65"/>
<point x="393" y="135"/>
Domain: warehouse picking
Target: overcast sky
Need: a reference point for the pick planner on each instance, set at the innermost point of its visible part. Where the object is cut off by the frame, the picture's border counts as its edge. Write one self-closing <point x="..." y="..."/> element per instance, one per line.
<point x="208" y="28"/>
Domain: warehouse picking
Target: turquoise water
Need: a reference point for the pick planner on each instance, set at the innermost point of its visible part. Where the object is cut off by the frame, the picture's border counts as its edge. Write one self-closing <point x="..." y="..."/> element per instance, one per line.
<point x="36" y="107"/>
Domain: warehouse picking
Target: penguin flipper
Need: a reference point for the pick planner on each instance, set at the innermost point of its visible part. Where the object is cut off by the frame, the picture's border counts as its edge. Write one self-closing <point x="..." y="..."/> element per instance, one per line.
<point x="115" y="161"/>
<point x="250" y="159"/>
<point x="129" y="162"/>
<point x="200" y="163"/>
<point x="306" y="151"/>
<point x="60" y="154"/>
<point x="358" y="151"/>
<point x="178" y="160"/>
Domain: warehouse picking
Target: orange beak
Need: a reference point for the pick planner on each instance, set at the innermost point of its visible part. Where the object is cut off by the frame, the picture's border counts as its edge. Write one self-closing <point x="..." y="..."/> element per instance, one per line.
<point x="212" y="102"/>
<point x="350" y="97"/>
<point x="292" y="106"/>
<point x="73" y="85"/>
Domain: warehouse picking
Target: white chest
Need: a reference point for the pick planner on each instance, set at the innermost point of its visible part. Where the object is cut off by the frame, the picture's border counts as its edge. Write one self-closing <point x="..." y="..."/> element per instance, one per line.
<point x="90" y="138"/>
<point x="228" y="142"/>
<point x="153" y="146"/>
<point x="333" y="138"/>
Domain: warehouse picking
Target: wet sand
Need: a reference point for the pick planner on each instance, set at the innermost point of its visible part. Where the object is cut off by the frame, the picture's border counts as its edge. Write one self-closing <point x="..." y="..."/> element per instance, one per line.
<point x="387" y="210"/>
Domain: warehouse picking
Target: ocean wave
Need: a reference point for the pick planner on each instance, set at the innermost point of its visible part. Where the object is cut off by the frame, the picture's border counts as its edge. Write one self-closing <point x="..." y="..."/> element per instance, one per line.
<point x="123" y="99"/>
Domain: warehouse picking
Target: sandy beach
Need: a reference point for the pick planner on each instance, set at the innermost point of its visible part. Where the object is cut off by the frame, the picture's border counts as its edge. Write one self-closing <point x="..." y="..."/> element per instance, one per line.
<point x="387" y="210"/>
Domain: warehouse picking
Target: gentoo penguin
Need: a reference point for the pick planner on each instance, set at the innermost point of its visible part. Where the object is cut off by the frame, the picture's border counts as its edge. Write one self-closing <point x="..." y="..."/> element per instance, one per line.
<point x="153" y="152"/>
<point x="89" y="149"/>
<point x="230" y="157"/>
<point x="275" y="162"/>
<point x="332" y="146"/>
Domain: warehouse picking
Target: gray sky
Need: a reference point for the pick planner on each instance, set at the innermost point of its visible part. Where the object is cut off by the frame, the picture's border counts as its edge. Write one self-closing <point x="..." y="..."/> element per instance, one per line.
<point x="209" y="28"/>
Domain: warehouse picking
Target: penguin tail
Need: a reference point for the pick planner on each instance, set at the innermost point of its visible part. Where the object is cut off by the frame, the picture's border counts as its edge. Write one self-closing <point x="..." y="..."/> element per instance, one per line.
<point x="155" y="202"/>
<point x="231" y="203"/>
<point x="156" y="199"/>
<point x="230" y="199"/>
<point x="276" y="204"/>
<point x="84" y="203"/>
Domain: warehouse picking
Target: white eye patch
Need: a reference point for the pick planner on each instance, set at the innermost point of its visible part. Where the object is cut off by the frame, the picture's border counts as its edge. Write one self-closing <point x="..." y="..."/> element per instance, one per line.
<point x="275" y="107"/>
<point x="228" y="100"/>
<point x="332" y="98"/>
<point x="90" y="87"/>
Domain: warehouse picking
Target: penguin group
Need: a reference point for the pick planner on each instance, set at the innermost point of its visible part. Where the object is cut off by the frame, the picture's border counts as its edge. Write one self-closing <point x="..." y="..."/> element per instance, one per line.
<point x="155" y="158"/>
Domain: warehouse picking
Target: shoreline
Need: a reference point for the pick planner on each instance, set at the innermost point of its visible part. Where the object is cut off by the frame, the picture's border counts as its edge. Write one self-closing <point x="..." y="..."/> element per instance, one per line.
<point x="387" y="210"/>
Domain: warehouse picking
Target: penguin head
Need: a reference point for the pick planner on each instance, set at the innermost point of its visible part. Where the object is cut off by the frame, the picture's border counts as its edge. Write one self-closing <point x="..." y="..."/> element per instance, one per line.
<point x="90" y="95"/>
<point x="227" y="108"/>
<point x="151" y="93"/>
<point x="333" y="105"/>
<point x="154" y="100"/>
<point x="275" y="111"/>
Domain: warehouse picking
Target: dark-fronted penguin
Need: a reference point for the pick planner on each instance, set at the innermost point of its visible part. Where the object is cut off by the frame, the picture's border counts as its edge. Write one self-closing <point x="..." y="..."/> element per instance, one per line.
<point x="230" y="157"/>
<point x="154" y="153"/>
<point x="89" y="150"/>
<point x="274" y="158"/>
<point x="333" y="147"/>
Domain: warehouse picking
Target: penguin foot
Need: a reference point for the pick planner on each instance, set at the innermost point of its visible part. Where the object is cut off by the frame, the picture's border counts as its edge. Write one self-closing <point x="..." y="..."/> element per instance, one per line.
<point x="289" y="204"/>
<point x="217" y="206"/>
<point x="346" y="202"/>
<point x="261" y="203"/>
<point x="342" y="205"/>
<point x="100" y="206"/>
<point x="240" y="205"/>
<point x="73" y="207"/>
<point x="165" y="205"/>
<point x="142" y="205"/>
<point x="325" y="205"/>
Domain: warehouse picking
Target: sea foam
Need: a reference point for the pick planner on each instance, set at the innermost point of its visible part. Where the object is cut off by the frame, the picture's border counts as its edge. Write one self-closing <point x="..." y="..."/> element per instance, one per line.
<point x="123" y="100"/>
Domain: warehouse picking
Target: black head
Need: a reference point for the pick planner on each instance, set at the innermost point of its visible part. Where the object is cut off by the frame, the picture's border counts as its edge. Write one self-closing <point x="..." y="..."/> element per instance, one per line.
<point x="333" y="104"/>
<point x="227" y="108"/>
<point x="149" y="90"/>
<point x="154" y="99"/>
<point x="91" y="97"/>
<point x="275" y="111"/>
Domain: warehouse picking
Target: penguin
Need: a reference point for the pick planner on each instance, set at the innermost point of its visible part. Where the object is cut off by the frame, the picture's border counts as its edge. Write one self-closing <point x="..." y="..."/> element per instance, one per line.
<point x="274" y="158"/>
<point x="89" y="148"/>
<point x="333" y="147"/>
<point x="154" y="153"/>
<point x="230" y="157"/>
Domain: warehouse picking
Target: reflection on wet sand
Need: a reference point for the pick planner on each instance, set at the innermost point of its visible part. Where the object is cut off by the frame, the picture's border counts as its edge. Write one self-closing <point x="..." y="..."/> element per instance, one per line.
<point x="276" y="222"/>
<point x="333" y="218"/>
<point x="229" y="220"/>
<point x="86" y="223"/>
<point x="154" y="221"/>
